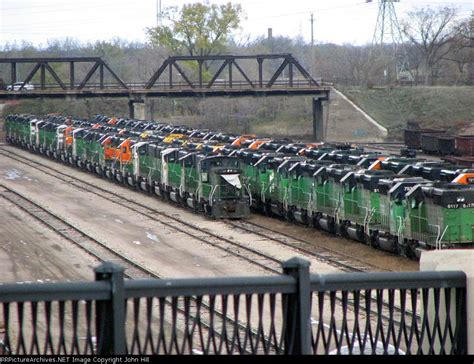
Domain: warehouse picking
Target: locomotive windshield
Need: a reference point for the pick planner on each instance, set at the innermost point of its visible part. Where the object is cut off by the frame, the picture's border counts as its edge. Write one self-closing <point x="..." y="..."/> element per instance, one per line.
<point x="221" y="162"/>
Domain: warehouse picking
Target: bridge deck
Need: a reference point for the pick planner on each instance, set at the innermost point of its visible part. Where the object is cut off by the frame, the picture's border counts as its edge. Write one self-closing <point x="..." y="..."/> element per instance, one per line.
<point x="165" y="92"/>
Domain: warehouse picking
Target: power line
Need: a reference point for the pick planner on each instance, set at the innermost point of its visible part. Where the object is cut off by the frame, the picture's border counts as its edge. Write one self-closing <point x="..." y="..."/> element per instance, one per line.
<point x="60" y="5"/>
<point x="310" y="11"/>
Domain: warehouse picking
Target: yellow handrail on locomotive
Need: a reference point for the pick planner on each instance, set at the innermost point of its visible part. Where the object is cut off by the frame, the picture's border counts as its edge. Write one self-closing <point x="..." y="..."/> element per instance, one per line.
<point x="196" y="141"/>
<point x="170" y="138"/>
<point x="217" y="148"/>
<point x="146" y="134"/>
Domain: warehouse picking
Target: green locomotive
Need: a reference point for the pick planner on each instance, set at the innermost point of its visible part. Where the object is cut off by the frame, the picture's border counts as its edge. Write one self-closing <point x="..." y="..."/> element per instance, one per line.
<point x="208" y="183"/>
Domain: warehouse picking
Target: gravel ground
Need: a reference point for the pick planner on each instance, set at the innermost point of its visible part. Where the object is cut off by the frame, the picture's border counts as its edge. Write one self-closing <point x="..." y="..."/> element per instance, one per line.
<point x="31" y="252"/>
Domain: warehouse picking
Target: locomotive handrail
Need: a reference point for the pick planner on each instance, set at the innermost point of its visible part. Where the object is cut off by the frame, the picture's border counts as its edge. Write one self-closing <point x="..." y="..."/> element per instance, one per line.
<point x="440" y="239"/>
<point x="211" y="196"/>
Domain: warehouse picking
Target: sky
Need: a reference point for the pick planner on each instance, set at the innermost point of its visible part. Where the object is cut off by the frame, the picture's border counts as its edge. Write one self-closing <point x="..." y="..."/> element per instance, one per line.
<point x="336" y="21"/>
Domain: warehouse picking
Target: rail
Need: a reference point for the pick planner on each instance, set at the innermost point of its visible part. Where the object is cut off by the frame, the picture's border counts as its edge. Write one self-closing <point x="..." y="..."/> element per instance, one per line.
<point x="293" y="313"/>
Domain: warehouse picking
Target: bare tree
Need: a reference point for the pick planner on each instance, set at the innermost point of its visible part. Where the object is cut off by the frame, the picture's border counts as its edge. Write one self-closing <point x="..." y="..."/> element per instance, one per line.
<point x="432" y="32"/>
<point x="462" y="52"/>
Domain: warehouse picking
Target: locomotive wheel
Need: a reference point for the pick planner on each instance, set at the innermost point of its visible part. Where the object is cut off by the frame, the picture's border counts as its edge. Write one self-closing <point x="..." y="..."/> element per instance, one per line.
<point x="410" y="250"/>
<point x="267" y="210"/>
<point x="402" y="250"/>
<point x="207" y="209"/>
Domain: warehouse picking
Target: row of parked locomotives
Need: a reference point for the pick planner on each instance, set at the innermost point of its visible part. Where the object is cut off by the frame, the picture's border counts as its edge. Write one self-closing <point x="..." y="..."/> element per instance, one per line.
<point x="146" y="156"/>
<point x="398" y="204"/>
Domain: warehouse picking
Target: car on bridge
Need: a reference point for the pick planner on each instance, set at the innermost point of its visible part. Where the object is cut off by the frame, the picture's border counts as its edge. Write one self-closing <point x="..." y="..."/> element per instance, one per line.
<point x="17" y="86"/>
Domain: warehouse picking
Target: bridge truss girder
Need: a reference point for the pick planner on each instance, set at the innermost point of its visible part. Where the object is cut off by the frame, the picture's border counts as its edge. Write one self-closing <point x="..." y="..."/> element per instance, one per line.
<point x="43" y="65"/>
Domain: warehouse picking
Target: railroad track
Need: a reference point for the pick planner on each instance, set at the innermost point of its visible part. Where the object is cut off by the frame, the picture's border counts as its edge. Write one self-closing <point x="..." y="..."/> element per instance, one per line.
<point x="264" y="261"/>
<point x="100" y="251"/>
<point x="329" y="256"/>
<point x="95" y="248"/>
<point x="395" y="147"/>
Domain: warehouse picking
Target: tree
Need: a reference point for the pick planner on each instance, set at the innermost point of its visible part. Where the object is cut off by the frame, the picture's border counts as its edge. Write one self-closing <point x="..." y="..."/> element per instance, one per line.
<point x="432" y="32"/>
<point x="462" y="52"/>
<point x="197" y="29"/>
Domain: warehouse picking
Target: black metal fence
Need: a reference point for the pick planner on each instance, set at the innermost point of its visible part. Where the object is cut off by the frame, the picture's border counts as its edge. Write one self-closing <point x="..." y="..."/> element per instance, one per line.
<point x="295" y="313"/>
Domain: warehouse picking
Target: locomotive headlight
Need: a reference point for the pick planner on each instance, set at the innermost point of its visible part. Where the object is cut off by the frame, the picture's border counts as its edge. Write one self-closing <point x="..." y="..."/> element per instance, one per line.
<point x="460" y="199"/>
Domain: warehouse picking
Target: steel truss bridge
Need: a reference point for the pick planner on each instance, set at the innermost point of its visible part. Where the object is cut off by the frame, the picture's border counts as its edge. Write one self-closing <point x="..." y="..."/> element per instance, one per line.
<point x="176" y="77"/>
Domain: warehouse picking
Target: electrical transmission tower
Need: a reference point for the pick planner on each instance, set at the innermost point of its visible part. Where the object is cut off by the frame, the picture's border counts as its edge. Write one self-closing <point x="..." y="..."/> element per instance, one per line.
<point x="388" y="35"/>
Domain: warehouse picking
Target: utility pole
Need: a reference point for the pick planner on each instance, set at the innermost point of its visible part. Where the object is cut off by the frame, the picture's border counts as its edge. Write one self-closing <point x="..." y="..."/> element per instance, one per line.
<point x="312" y="45"/>
<point x="471" y="51"/>
<point x="158" y="14"/>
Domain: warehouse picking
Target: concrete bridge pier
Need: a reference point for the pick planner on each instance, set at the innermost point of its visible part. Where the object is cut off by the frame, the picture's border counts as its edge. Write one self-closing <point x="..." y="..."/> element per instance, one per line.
<point x="320" y="110"/>
<point x="139" y="109"/>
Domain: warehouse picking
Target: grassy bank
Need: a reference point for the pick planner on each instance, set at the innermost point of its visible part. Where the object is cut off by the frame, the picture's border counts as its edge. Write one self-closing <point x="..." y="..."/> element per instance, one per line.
<point x="450" y="108"/>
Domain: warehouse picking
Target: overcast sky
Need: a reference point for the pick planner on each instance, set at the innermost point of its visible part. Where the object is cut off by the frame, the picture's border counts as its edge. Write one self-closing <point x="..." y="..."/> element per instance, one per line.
<point x="337" y="21"/>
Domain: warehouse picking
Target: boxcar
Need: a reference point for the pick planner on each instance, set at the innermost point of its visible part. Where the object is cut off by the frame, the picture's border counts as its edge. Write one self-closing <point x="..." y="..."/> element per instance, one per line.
<point x="464" y="144"/>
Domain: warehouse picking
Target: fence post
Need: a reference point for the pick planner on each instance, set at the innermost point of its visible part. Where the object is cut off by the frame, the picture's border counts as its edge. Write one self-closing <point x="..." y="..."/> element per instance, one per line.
<point x="457" y="259"/>
<point x="110" y="315"/>
<point x="297" y="309"/>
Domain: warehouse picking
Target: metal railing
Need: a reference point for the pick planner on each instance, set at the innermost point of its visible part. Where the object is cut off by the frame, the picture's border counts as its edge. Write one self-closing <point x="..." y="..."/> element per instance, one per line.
<point x="294" y="313"/>
<point x="176" y="85"/>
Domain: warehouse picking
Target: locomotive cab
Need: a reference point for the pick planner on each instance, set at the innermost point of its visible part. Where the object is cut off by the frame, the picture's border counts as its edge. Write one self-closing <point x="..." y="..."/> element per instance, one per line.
<point x="33" y="131"/>
<point x="78" y="146"/>
<point x="123" y="156"/>
<point x="59" y="141"/>
<point x="221" y="188"/>
<point x="439" y="217"/>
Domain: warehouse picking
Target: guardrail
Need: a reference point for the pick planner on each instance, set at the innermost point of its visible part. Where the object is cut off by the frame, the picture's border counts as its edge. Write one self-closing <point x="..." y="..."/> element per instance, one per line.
<point x="294" y="313"/>
<point x="176" y="85"/>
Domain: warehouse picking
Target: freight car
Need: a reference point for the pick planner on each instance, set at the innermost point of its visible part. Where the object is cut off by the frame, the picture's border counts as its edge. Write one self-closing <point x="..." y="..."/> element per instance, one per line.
<point x="412" y="137"/>
<point x="439" y="142"/>
<point x="442" y="144"/>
